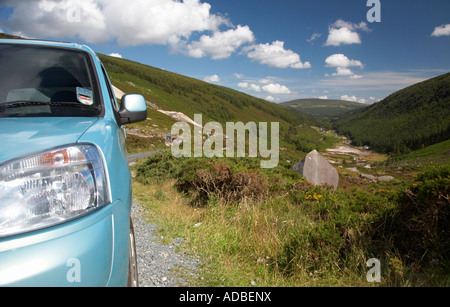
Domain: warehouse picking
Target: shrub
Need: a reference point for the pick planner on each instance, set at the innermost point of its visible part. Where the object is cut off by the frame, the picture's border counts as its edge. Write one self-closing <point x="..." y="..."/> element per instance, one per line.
<point x="220" y="181"/>
<point x="159" y="167"/>
<point x="419" y="227"/>
<point x="202" y="179"/>
<point x="335" y="237"/>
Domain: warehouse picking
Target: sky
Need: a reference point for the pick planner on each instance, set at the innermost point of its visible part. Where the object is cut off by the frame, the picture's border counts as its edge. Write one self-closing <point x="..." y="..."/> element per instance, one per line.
<point x="356" y="50"/>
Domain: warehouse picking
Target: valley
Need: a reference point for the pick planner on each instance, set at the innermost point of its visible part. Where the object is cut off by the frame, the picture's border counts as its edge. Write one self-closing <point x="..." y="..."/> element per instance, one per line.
<point x="271" y="227"/>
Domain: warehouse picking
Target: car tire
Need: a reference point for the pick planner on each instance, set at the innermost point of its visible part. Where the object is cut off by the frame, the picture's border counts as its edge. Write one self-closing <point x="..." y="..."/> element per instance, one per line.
<point x="132" y="263"/>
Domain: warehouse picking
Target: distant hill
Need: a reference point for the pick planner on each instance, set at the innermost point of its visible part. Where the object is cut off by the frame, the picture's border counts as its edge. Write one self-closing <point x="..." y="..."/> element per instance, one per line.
<point x="4" y="35"/>
<point x="328" y="108"/>
<point x="412" y="118"/>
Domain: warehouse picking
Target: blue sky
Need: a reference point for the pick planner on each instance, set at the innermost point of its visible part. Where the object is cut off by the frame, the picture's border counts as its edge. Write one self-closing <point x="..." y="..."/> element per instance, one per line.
<point x="276" y="50"/>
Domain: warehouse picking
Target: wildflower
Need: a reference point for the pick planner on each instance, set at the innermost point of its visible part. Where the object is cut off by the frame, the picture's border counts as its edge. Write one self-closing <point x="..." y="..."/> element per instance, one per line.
<point x="397" y="265"/>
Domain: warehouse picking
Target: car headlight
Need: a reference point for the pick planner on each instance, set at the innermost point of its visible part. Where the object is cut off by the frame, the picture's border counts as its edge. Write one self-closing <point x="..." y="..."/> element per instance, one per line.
<point x="50" y="188"/>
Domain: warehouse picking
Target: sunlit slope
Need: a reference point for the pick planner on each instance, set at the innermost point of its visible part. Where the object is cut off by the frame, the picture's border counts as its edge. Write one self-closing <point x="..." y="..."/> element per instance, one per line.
<point x="412" y="118"/>
<point x="174" y="92"/>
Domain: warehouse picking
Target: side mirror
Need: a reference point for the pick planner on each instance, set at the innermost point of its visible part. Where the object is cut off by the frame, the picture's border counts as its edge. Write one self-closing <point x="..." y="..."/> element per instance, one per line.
<point x="133" y="109"/>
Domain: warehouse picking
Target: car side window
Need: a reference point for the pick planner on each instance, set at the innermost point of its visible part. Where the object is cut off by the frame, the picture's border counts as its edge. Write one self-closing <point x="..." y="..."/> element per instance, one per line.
<point x="110" y="91"/>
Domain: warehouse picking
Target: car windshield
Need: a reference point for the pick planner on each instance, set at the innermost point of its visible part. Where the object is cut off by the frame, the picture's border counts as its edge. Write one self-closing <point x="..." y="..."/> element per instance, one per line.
<point x="46" y="81"/>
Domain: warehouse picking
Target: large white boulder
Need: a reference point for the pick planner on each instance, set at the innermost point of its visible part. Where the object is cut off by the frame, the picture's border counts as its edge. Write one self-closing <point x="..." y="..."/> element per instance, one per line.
<point x="317" y="170"/>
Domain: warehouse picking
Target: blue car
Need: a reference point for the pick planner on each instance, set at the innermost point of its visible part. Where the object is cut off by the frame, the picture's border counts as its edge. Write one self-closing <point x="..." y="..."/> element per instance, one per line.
<point x="65" y="184"/>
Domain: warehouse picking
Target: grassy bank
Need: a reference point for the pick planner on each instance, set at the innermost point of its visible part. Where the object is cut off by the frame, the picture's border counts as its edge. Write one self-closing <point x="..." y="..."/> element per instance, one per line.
<point x="272" y="228"/>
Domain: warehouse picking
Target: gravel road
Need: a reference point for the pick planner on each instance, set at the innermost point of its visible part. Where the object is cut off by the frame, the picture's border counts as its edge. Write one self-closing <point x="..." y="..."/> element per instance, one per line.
<point x="159" y="265"/>
<point x="138" y="156"/>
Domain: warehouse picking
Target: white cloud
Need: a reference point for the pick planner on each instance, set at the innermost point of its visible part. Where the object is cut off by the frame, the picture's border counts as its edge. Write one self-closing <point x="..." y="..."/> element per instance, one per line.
<point x="137" y="22"/>
<point x="116" y="55"/>
<point x="255" y="87"/>
<point x="353" y="98"/>
<point x="340" y="60"/>
<point x="342" y="71"/>
<point x="57" y="19"/>
<point x="345" y="72"/>
<point x="443" y="30"/>
<point x="275" y="88"/>
<point x="343" y="32"/>
<point x="313" y="37"/>
<point x="355" y="76"/>
<point x="323" y="97"/>
<point x="221" y="44"/>
<point x="341" y="36"/>
<point x="374" y="81"/>
<point x="267" y="86"/>
<point x="274" y="55"/>
<point x="351" y="26"/>
<point x="252" y="87"/>
<point x="239" y="76"/>
<point x="271" y="98"/>
<point x="243" y="84"/>
<point x="212" y="79"/>
<point x="265" y="81"/>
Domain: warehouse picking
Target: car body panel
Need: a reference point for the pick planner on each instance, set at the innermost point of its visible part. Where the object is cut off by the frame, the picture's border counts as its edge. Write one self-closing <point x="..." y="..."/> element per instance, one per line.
<point x="98" y="243"/>
<point x="55" y="257"/>
<point x="39" y="133"/>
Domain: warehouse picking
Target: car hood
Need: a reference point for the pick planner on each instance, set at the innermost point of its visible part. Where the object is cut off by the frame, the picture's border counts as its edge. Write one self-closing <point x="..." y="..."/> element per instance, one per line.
<point x="27" y="135"/>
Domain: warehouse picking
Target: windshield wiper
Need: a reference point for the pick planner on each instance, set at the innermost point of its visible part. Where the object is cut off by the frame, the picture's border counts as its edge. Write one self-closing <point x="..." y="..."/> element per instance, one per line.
<point x="26" y="103"/>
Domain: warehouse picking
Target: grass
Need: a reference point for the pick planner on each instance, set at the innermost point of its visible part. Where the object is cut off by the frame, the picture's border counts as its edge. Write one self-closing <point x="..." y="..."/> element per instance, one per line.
<point x="240" y="246"/>
<point x="432" y="154"/>
<point x="294" y="234"/>
<point x="255" y="227"/>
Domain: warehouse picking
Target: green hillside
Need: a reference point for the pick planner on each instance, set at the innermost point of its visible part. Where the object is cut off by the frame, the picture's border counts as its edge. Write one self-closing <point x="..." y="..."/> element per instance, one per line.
<point x="174" y="92"/>
<point x="8" y="36"/>
<point x="412" y="118"/>
<point x="329" y="108"/>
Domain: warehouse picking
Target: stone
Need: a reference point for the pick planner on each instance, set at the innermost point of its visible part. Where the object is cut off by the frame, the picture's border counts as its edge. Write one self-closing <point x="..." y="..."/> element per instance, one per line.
<point x="368" y="177"/>
<point x="317" y="170"/>
<point x="386" y="178"/>
<point x="352" y="169"/>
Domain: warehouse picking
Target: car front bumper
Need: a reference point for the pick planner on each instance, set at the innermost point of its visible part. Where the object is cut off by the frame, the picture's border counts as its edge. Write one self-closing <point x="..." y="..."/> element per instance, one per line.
<point x="89" y="251"/>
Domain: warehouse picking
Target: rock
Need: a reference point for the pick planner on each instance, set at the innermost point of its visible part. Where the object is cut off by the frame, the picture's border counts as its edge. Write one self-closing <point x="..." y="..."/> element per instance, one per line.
<point x="317" y="170"/>
<point x="386" y="178"/>
<point x="352" y="169"/>
<point x="368" y="177"/>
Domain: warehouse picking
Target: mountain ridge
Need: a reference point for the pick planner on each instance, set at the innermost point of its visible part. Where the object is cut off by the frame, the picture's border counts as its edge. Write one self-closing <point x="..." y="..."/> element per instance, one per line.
<point x="328" y="108"/>
<point x="174" y="92"/>
<point x="409" y="119"/>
